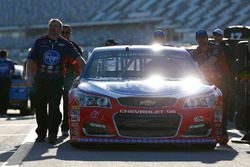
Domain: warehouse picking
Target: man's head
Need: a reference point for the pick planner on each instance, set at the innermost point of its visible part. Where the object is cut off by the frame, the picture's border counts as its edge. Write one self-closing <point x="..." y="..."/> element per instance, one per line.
<point x="66" y="31"/>
<point x="54" y="28"/>
<point x="111" y="42"/>
<point x="201" y="37"/>
<point x="3" y="54"/>
<point x="218" y="35"/>
<point x="159" y="37"/>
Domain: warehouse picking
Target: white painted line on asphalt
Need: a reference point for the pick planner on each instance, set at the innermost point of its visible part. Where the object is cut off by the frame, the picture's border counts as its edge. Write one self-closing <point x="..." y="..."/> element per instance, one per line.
<point x="16" y="159"/>
<point x="7" y="151"/>
<point x="7" y="135"/>
<point x="17" y="124"/>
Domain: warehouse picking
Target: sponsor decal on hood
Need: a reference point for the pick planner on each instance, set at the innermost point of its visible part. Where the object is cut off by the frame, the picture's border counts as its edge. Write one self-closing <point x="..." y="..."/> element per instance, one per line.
<point x="141" y="88"/>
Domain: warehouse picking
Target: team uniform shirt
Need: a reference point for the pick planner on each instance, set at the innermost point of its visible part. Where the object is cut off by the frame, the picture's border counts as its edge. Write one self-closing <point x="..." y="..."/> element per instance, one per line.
<point x="50" y="57"/>
<point x="6" y="68"/>
<point x="215" y="72"/>
<point x="72" y="67"/>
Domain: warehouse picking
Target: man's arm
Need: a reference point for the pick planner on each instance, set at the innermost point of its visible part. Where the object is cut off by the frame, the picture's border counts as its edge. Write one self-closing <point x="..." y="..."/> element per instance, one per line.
<point x="81" y="62"/>
<point x="29" y="72"/>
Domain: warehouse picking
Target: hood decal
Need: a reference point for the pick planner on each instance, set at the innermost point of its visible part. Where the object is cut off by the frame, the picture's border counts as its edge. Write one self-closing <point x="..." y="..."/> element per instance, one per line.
<point x="140" y="88"/>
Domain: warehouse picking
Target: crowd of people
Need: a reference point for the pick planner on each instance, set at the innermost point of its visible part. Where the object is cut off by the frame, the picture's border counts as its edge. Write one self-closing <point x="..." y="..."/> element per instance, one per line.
<point x="55" y="61"/>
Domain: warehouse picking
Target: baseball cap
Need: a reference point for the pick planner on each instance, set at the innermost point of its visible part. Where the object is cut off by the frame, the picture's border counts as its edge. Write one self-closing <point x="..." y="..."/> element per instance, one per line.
<point x="218" y="31"/>
<point x="201" y="33"/>
<point x="159" y="34"/>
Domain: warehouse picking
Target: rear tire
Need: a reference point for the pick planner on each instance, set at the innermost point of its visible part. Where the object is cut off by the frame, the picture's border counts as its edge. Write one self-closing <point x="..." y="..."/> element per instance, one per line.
<point x="26" y="111"/>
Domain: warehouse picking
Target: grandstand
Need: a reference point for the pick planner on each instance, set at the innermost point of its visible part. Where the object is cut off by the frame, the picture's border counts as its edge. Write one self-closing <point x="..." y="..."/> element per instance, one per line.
<point x="128" y="21"/>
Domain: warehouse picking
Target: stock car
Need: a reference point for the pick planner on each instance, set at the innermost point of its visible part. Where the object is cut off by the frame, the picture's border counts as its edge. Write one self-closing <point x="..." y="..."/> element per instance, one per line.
<point x="144" y="94"/>
<point x="19" y="92"/>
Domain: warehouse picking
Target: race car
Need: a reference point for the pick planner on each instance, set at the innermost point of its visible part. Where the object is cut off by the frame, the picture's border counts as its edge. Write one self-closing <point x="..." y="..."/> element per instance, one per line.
<point x="147" y="94"/>
<point x="19" y="92"/>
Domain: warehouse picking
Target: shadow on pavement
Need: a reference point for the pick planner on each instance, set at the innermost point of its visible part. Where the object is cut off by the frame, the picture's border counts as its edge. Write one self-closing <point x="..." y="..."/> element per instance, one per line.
<point x="142" y="153"/>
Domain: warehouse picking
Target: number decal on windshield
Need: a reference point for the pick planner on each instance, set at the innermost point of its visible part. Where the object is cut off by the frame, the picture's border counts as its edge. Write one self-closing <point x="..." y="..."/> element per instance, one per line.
<point x="236" y="35"/>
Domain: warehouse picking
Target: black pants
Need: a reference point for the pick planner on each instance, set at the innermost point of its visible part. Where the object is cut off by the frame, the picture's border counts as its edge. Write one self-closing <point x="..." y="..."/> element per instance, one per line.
<point x="247" y="118"/>
<point x="47" y="92"/>
<point x="65" y="124"/>
<point x="4" y="94"/>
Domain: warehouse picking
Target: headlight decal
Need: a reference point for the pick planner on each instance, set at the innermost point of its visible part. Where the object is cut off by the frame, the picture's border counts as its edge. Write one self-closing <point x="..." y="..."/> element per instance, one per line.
<point x="88" y="100"/>
<point x="200" y="102"/>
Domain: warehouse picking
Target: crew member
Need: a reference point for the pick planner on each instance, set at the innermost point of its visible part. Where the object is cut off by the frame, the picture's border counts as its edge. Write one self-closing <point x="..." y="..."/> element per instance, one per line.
<point x="212" y="63"/>
<point x="72" y="71"/>
<point x="49" y="53"/>
<point x="6" y="71"/>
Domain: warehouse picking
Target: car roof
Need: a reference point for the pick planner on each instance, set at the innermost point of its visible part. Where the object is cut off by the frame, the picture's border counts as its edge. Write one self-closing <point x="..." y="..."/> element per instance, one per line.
<point x="170" y="49"/>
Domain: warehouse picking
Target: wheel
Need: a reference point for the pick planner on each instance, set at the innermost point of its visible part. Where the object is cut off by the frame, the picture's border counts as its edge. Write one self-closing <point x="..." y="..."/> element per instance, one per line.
<point x="23" y="111"/>
<point x="27" y="111"/>
<point x="27" y="108"/>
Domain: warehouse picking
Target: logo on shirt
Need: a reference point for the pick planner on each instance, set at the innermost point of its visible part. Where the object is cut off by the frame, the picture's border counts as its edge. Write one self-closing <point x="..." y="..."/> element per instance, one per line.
<point x="61" y="44"/>
<point x="4" y="68"/>
<point x="51" y="57"/>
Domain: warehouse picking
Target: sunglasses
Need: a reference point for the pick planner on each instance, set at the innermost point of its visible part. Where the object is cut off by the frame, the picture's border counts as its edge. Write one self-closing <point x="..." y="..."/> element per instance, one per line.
<point x="201" y="37"/>
<point x="65" y="32"/>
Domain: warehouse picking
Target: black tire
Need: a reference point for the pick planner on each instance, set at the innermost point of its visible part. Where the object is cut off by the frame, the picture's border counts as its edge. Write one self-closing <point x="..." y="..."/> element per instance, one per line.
<point x="26" y="111"/>
<point x="23" y="111"/>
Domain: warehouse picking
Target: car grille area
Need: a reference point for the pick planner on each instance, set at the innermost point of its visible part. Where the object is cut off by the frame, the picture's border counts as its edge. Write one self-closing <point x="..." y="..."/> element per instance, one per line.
<point x="147" y="101"/>
<point x="150" y="125"/>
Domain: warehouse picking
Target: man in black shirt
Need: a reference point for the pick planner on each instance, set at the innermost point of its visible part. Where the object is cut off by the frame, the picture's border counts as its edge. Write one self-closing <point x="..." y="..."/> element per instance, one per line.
<point x="49" y="53"/>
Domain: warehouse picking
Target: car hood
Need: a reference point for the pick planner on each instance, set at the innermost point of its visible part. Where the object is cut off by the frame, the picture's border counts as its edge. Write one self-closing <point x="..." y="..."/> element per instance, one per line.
<point x="115" y="89"/>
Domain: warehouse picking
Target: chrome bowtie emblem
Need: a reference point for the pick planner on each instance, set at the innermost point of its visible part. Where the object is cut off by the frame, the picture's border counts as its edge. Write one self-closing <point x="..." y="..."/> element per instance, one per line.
<point x="147" y="102"/>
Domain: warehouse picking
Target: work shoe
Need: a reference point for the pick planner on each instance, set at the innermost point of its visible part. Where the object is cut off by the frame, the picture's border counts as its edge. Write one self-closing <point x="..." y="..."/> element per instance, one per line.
<point x="52" y="139"/>
<point x="65" y="133"/>
<point x="40" y="139"/>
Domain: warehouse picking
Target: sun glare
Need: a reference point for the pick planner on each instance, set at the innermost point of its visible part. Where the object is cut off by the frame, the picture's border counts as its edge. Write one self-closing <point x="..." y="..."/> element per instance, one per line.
<point x="156" y="47"/>
<point x="155" y="81"/>
<point x="190" y="84"/>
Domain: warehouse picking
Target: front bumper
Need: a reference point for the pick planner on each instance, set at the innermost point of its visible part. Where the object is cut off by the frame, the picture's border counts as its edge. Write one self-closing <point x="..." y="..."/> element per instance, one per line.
<point x="149" y="141"/>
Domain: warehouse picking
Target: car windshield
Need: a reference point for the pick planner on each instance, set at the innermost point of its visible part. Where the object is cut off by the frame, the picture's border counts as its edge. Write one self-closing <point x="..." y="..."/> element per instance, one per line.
<point x="122" y="65"/>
